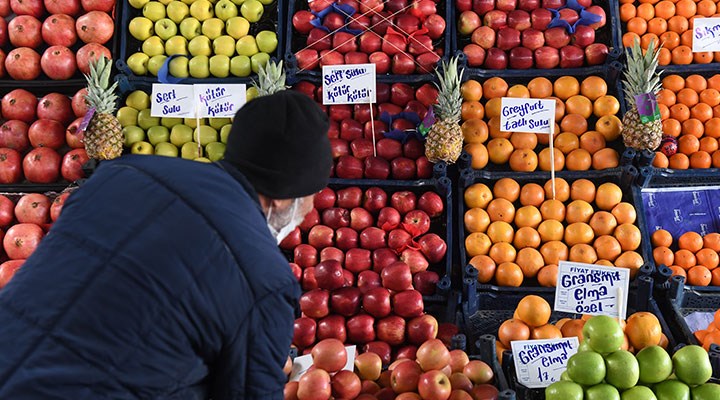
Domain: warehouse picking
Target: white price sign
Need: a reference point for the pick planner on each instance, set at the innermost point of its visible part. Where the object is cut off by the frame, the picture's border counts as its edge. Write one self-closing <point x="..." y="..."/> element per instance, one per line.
<point x="527" y="115"/>
<point x="349" y="84"/>
<point x="706" y="35"/>
<point x="302" y="363"/>
<point x="172" y="101"/>
<point x="592" y="289"/>
<point x="539" y="363"/>
<point x="219" y="101"/>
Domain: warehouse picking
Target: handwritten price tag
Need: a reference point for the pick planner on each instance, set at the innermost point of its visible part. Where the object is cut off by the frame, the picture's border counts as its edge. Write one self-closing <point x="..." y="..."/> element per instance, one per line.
<point x="302" y="363"/>
<point x="172" y="101"/>
<point x="539" y="363"/>
<point x="591" y="289"/>
<point x="706" y="35"/>
<point x="349" y="84"/>
<point x="219" y="101"/>
<point x="527" y="115"/>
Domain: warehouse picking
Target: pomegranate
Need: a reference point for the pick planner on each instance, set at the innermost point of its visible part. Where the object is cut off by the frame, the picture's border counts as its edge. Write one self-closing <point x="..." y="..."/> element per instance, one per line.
<point x="69" y="7"/>
<point x="73" y="137"/>
<point x="95" y="27"/>
<point x="98" y="5"/>
<point x="8" y="270"/>
<point x="21" y="240"/>
<point x="59" y="30"/>
<point x="19" y="104"/>
<point x="91" y="51"/>
<point x="42" y="165"/>
<point x="57" y="205"/>
<point x="24" y="31"/>
<point x="7" y="211"/>
<point x="79" y="104"/>
<point x="71" y="168"/>
<point x="28" y="7"/>
<point x="47" y="133"/>
<point x="10" y="167"/>
<point x="14" y="135"/>
<point x="57" y="107"/>
<point x="58" y="63"/>
<point x="33" y="208"/>
<point x="23" y="64"/>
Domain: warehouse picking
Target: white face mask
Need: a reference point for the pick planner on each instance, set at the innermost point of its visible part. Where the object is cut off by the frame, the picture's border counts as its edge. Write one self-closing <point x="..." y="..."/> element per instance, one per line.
<point x="281" y="224"/>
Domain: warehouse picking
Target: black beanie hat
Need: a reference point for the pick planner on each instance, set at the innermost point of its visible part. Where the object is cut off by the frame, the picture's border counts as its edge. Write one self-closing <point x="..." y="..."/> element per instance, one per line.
<point x="280" y="143"/>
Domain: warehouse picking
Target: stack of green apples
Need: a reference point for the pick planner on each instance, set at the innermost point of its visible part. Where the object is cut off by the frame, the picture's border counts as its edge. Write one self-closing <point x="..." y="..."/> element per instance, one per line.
<point x="600" y="370"/>
<point x="214" y="35"/>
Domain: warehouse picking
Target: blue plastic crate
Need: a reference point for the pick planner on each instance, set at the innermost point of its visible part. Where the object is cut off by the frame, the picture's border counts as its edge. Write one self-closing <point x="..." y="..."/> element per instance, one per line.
<point x="609" y="34"/>
<point x="295" y="42"/>
<point x="273" y="19"/>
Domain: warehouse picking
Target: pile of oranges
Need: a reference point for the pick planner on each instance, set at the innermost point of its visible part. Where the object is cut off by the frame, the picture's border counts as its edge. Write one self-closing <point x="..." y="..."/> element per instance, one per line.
<point x="531" y="320"/>
<point x="516" y="233"/>
<point x="711" y="334"/>
<point x="669" y="22"/>
<point x="578" y="146"/>
<point x="690" y="111"/>
<point x="695" y="257"/>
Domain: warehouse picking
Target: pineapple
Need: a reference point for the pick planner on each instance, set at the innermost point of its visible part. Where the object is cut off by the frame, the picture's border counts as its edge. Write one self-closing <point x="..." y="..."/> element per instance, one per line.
<point x="271" y="79"/>
<point x="103" y="137"/>
<point x="445" y="139"/>
<point x="641" y="77"/>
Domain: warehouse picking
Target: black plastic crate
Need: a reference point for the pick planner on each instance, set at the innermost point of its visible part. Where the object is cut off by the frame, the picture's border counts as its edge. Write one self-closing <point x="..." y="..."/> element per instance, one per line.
<point x="295" y="42"/>
<point x="609" y="34"/>
<point x="486" y="353"/>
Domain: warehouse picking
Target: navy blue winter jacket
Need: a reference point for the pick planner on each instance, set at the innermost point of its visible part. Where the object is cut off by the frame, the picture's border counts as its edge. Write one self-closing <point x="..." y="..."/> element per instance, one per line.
<point x="160" y="280"/>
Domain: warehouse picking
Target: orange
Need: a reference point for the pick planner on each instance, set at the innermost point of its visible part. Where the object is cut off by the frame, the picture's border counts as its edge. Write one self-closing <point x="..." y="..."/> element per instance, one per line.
<point x="714" y="82"/>
<point x="660" y="161"/>
<point x="502" y="252"/>
<point x="646" y="11"/>
<point x="670" y="40"/>
<point x="562" y="189"/>
<point x="661" y="237"/>
<point x="509" y="274"/>
<point x="678" y="24"/>
<point x="518" y="91"/>
<point x="693" y="127"/>
<point x="715" y="277"/>
<point x="532" y="194"/>
<point x="679" y="161"/>
<point x="550" y="230"/>
<point x="540" y="88"/>
<point x="712" y="241"/>
<point x="686" y="39"/>
<point x="649" y="38"/>
<point x="579" y="104"/>
<point x="657" y="26"/>
<point x="630" y="260"/>
<point x="606" y="105"/>
<point x="664" y="111"/>
<point x="685" y="259"/>
<point x="500" y="231"/>
<point x="629" y="236"/>
<point x="592" y="141"/>
<point x="507" y="188"/>
<point x="578" y="232"/>
<point x="499" y="150"/>
<point x="672" y="127"/>
<point x="493" y="108"/>
<point x="544" y="162"/>
<point x="593" y="87"/>
<point x="674" y="83"/>
<point x="712" y="127"/>
<point x="528" y="216"/>
<point x="688" y="96"/>
<point x="501" y="210"/>
<point x="485" y="267"/>
<point x="667" y="97"/>
<point x="678" y="271"/>
<point x="534" y="311"/>
<point x="527" y="237"/>
<point x="605" y="158"/>
<point x="578" y="211"/>
<point x="685" y="8"/>
<point x="710" y="97"/>
<point x="583" y="189"/>
<point x="547" y="276"/>
<point x="512" y="330"/>
<point x="566" y="142"/>
<point x="680" y="112"/>
<point x="472" y="109"/>
<point x="637" y="25"/>
<point x="710" y="339"/>
<point x="706" y="8"/>
<point x="663" y="256"/>
<point x="629" y="38"/>
<point x="559" y="109"/>
<point x="494" y="130"/>
<point x="521" y="140"/>
<point x="478" y="195"/>
<point x="700" y="159"/>
<point x="628" y="11"/>
<point x="682" y="55"/>
<point x="479" y="155"/>
<point x="578" y="160"/>
<point x="554" y="251"/>
<point x="665" y="9"/>
<point x="707" y="258"/>
<point x="475" y="131"/>
<point x="546" y="332"/>
<point x="701" y="111"/>
<point x="471" y="90"/>
<point x="583" y="253"/>
<point x="574" y="123"/>
<point x="553" y="209"/>
<point x="607" y="196"/>
<point x="566" y="87"/>
<point x="494" y="87"/>
<point x="530" y="261"/>
<point x="699" y="276"/>
<point x="609" y="126"/>
<point x="624" y="213"/>
<point x="607" y="247"/>
<point x="690" y="241"/>
<point x="716" y="159"/>
<point x="573" y="328"/>
<point x="643" y="330"/>
<point x="704" y="57"/>
<point x="664" y="55"/>
<point x="476" y="220"/>
<point x="603" y="223"/>
<point x="477" y="243"/>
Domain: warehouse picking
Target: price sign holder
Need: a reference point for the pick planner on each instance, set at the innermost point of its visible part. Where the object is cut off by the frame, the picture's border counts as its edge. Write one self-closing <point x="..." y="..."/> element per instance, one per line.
<point x="706" y="35"/>
<point x="169" y="100"/>
<point x="539" y="363"/>
<point x="592" y="289"/>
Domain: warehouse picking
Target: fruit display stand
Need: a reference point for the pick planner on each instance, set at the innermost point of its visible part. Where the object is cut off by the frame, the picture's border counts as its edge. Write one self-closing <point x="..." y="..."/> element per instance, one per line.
<point x="405" y="42"/>
<point x="517" y="39"/>
<point x="233" y="41"/>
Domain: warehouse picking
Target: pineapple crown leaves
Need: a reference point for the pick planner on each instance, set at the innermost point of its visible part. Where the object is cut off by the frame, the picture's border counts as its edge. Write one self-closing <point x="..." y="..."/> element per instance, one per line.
<point x="641" y="75"/>
<point x="101" y="95"/>
<point x="449" y="101"/>
<point x="271" y="79"/>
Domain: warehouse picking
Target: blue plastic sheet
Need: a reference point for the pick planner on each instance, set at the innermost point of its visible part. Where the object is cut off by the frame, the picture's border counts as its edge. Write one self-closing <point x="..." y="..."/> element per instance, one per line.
<point x="680" y="210"/>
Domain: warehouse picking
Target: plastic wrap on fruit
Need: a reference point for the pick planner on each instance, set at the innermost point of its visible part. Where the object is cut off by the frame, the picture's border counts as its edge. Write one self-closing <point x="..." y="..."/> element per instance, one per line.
<point x="585" y="17"/>
<point x="668" y="145"/>
<point x="343" y="9"/>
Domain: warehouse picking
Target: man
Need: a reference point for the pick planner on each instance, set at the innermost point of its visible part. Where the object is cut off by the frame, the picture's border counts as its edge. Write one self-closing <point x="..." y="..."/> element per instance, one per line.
<point x="162" y="278"/>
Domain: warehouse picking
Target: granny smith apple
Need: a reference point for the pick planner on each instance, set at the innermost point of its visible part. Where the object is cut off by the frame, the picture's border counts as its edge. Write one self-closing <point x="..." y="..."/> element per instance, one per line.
<point x="153" y="46"/>
<point x="252" y="10"/>
<point x="141" y="147"/>
<point x="153" y="11"/>
<point x="177" y="11"/>
<point x="192" y="122"/>
<point x="137" y="4"/>
<point x="220" y="66"/>
<point x="218" y="123"/>
<point x="166" y="149"/>
<point x="164" y="2"/>
<point x="225" y="132"/>
<point x="604" y="333"/>
<point x="199" y="67"/>
<point x="655" y="364"/>
<point x="190" y="28"/>
<point x="266" y="41"/>
<point x="240" y="66"/>
<point x="623" y="370"/>
<point x="158" y="134"/>
<point x="203" y="159"/>
<point x="201" y="9"/>
<point x="176" y="45"/>
<point x="178" y="67"/>
<point x="165" y="28"/>
<point x="207" y="133"/>
<point x="707" y="391"/>
<point x="133" y="134"/>
<point x="586" y="368"/>
<point x="145" y="121"/>
<point x="564" y="376"/>
<point x="191" y="151"/>
<point x="141" y="28"/>
<point x="213" y="28"/>
<point x="200" y="46"/>
<point x="181" y="134"/>
<point x="127" y="116"/>
<point x="602" y="391"/>
<point x="225" y="9"/>
<point x="692" y="365"/>
<point x="169" y="122"/>
<point x="564" y="390"/>
<point x="224" y="45"/>
<point x="238" y="2"/>
<point x="259" y="60"/>
<point x="237" y="27"/>
<point x="215" y="150"/>
<point x="138" y="63"/>
<point x="585" y="346"/>
<point x="246" y="46"/>
<point x="638" y="393"/>
<point x="673" y="389"/>
<point x="155" y="63"/>
<point x="251" y="93"/>
<point x="138" y="100"/>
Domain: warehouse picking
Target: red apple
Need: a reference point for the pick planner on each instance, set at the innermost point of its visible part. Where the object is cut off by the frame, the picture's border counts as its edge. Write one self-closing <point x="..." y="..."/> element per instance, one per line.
<point x="301" y="21"/>
<point x="382" y="258"/>
<point x="308" y="279"/>
<point x="315" y="303"/>
<point x="376" y="302"/>
<point x="391" y="330"/>
<point x="336" y="217"/>
<point x="321" y="236"/>
<point x="331" y="57"/>
<point x="397" y="277"/>
<point x="358" y="260"/>
<point x="360" y="329"/>
<point x="369" y="42"/>
<point x="334" y="21"/>
<point x="424" y="168"/>
<point x="521" y="58"/>
<point x="329" y="275"/>
<point x="319" y="40"/>
<point x="314" y="384"/>
<point x="305" y="256"/>
<point x="304" y="332"/>
<point x="596" y="53"/>
<point x="519" y="19"/>
<point x="297" y="271"/>
<point x="583" y="36"/>
<point x="372" y="238"/>
<point x="399" y="239"/>
<point x="406" y="352"/>
<point x="433" y="354"/>
<point x="349" y="197"/>
<point x="380" y="348"/>
<point x="343" y="42"/>
<point x="506" y="5"/>
<point x="388" y="219"/>
<point x="553" y="3"/>
<point x="415" y="259"/>
<point x="540" y="18"/>
<point x="421" y="329"/>
<point x="360" y="219"/>
<point x="359" y="22"/>
<point x="417" y="222"/>
<point x="533" y="39"/>
<point x="408" y="304"/>
<point x="484" y="37"/>
<point x="468" y="22"/>
<point x="483" y="6"/>
<point x="495" y="19"/>
<point x="405" y="376"/>
<point x="345" y="385"/>
<point x="346" y="238"/>
<point x="435" y="25"/>
<point x="403" y="168"/>
<point x="478" y="372"/>
<point x="374" y="199"/>
<point x="571" y="57"/>
<point x="595" y="9"/>
<point x="547" y="57"/>
<point x="381" y="61"/>
<point x="496" y="59"/>
<point x="307" y="59"/>
<point x="425" y="282"/>
<point x="413" y="149"/>
<point x="389" y="148"/>
<point x="368" y="367"/>
<point x="475" y="55"/>
<point x="376" y="168"/>
<point x="349" y="167"/>
<point x="484" y="391"/>
<point x="311" y="219"/>
<point x="356" y="57"/>
<point x="569" y="15"/>
<point x="528" y="5"/>
<point x="345" y="301"/>
<point x="434" y="385"/>
<point x="557" y="37"/>
<point x="368" y="280"/>
<point x="403" y="64"/>
<point x="339" y="147"/>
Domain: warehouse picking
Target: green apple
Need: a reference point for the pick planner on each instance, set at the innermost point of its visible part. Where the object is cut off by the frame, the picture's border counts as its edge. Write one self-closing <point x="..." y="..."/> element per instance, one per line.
<point x="240" y="66"/>
<point x="604" y="333"/>
<point x="165" y="2"/>
<point x="237" y="27"/>
<point x="188" y="2"/>
<point x="176" y="45"/>
<point x="178" y="67"/>
<point x="190" y="151"/>
<point x="141" y="28"/>
<point x="564" y="390"/>
<point x="207" y="133"/>
<point x="169" y="122"/>
<point x="655" y="364"/>
<point x="692" y="365"/>
<point x="146" y="121"/>
<point x="190" y="28"/>
<point x="203" y="159"/>
<point x="155" y="63"/>
<point x="225" y="9"/>
<point x="602" y="391"/>
<point x="138" y="63"/>
<point x="586" y="368"/>
<point x="220" y="66"/>
<point x="127" y="116"/>
<point x="177" y="11"/>
<point x="180" y="134"/>
<point x="201" y="9"/>
<point x="213" y="28"/>
<point x="225" y="132"/>
<point x="133" y="134"/>
<point x="638" y="393"/>
<point x="200" y="46"/>
<point x="266" y="2"/>
<point x="238" y="2"/>
<point x="199" y="67"/>
<point x="251" y="93"/>
<point x="137" y="4"/>
<point x="259" y="60"/>
<point x="141" y="147"/>
<point x="673" y="389"/>
<point x="623" y="370"/>
<point x="707" y="391"/>
<point x="153" y="11"/>
<point x="252" y="10"/>
<point x="158" y="134"/>
<point x="224" y="45"/>
<point x="192" y="122"/>
<point x="246" y="46"/>
<point x="215" y="151"/>
<point x="138" y="100"/>
<point x="218" y="123"/>
<point x="266" y="41"/>
<point x="585" y="346"/>
<point x="166" y="149"/>
<point x="153" y="46"/>
<point x="165" y="28"/>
